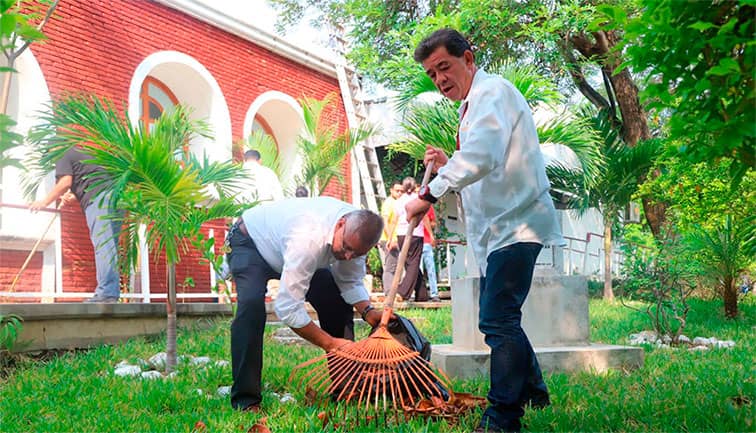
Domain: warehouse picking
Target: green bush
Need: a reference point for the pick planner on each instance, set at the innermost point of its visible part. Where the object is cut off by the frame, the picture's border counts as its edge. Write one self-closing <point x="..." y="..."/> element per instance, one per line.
<point x="10" y="327"/>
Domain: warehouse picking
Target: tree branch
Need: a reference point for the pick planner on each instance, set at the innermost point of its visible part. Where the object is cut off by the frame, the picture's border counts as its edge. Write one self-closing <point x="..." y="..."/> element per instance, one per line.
<point x="576" y="72"/>
<point x="41" y="24"/>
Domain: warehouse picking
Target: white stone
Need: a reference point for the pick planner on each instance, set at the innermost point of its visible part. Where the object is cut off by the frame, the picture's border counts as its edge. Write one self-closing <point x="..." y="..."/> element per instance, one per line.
<point x="666" y="339"/>
<point x="701" y="341"/>
<point x="198" y="391"/>
<point x="725" y="344"/>
<point x="698" y="348"/>
<point x="128" y="370"/>
<point x="199" y="360"/>
<point x="221" y="363"/>
<point x="286" y="398"/>
<point x="683" y="339"/>
<point x="158" y="360"/>
<point x="152" y="374"/>
<point x="224" y="391"/>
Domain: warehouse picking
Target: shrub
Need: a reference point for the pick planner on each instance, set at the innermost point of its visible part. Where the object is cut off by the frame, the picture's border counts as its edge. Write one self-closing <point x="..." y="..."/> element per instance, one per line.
<point x="663" y="279"/>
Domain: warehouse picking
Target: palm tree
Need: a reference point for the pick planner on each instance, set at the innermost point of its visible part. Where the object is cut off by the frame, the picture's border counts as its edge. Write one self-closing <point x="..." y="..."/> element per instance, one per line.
<point x="322" y="148"/>
<point x="612" y="186"/>
<point x="723" y="253"/>
<point x="151" y="179"/>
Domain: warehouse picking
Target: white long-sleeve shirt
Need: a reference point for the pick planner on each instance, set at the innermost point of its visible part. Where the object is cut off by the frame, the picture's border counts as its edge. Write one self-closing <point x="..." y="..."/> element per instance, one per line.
<point x="499" y="171"/>
<point x="263" y="184"/>
<point x="294" y="237"/>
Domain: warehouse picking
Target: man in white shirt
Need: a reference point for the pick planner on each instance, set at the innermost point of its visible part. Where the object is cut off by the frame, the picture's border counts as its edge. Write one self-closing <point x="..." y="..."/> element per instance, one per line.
<point x="316" y="247"/>
<point x="499" y="171"/>
<point x="265" y="184"/>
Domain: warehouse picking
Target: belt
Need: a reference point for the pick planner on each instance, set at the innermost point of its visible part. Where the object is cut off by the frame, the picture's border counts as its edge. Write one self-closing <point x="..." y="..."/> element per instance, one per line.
<point x="242" y="228"/>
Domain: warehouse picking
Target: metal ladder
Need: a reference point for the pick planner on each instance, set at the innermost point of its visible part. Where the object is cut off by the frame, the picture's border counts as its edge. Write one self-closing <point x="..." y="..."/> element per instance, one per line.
<point x="372" y="188"/>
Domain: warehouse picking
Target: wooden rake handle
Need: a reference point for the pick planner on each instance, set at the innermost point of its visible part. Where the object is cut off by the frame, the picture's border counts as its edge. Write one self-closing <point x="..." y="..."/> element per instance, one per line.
<point x="391" y="296"/>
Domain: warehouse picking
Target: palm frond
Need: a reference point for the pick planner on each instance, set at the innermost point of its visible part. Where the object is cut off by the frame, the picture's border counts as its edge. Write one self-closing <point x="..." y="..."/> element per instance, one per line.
<point x="578" y="135"/>
<point x="429" y="124"/>
<point x="421" y="83"/>
<point x="535" y="87"/>
<point x="262" y="142"/>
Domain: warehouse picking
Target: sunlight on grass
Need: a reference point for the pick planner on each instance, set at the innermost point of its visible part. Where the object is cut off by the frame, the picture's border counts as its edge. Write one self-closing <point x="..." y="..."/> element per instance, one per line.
<point x="676" y="390"/>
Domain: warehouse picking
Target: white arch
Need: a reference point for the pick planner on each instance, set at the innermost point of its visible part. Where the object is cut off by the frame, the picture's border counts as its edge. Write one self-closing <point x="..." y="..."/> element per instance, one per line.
<point x="19" y="228"/>
<point x="284" y="116"/>
<point x="194" y="87"/>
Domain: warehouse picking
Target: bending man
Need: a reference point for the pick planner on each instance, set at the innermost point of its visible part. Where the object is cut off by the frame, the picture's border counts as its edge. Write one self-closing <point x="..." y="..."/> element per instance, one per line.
<point x="316" y="247"/>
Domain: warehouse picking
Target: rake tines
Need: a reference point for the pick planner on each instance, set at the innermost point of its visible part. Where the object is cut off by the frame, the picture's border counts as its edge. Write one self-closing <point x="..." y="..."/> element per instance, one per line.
<point x="378" y="373"/>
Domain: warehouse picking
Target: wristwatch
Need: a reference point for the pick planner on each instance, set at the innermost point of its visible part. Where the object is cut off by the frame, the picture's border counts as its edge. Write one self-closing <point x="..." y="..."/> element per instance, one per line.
<point x="425" y="194"/>
<point x="367" y="309"/>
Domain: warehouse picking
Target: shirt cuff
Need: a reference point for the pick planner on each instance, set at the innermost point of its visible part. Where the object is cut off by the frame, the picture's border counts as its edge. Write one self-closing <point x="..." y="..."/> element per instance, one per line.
<point x="355" y="295"/>
<point x="438" y="187"/>
<point x="296" y="317"/>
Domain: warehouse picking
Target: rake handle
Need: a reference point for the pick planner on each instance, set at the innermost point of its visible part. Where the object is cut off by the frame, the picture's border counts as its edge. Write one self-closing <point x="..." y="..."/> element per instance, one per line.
<point x="388" y="307"/>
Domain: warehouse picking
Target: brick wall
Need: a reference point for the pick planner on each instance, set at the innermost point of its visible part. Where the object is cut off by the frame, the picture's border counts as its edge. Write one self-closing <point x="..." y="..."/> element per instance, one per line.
<point x="95" y="46"/>
<point x="29" y="281"/>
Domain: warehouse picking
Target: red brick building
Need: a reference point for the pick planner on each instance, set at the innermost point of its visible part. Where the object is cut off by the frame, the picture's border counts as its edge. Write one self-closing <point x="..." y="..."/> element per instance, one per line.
<point x="146" y="56"/>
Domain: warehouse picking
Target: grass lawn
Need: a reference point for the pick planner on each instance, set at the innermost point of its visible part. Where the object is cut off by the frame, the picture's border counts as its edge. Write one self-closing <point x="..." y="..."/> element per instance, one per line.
<point x="676" y="390"/>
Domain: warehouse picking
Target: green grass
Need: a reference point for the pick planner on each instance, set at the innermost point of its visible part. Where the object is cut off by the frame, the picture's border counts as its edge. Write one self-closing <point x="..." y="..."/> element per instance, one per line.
<point x="676" y="390"/>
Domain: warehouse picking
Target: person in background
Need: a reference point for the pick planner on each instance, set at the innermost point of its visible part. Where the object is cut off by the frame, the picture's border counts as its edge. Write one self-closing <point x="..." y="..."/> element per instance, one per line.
<point x="75" y="180"/>
<point x="265" y="186"/>
<point x="500" y="173"/>
<point x="301" y="192"/>
<point x="428" y="261"/>
<point x="389" y="256"/>
<point x="412" y="280"/>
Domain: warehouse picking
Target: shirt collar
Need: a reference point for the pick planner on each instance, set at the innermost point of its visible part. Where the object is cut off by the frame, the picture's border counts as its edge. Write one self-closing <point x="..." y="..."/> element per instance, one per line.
<point x="477" y="78"/>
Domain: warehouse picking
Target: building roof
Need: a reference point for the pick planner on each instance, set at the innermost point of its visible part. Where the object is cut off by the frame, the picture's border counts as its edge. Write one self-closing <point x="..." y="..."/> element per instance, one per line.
<point x="249" y="31"/>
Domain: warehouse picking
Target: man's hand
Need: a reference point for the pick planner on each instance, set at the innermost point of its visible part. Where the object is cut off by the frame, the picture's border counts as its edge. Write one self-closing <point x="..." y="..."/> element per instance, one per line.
<point x="416" y="208"/>
<point x="336" y="343"/>
<point x="37" y="205"/>
<point x="373" y="317"/>
<point x="67" y="197"/>
<point x="436" y="155"/>
<point x="393" y="245"/>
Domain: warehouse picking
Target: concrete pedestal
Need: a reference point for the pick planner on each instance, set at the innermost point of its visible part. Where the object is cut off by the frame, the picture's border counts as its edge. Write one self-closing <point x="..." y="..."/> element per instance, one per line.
<point x="555" y="318"/>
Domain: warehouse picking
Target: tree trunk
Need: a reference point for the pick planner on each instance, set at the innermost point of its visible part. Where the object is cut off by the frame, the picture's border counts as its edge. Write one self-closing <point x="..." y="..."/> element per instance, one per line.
<point x="7" y="76"/>
<point x="730" y="299"/>
<point x="608" y="292"/>
<point x="601" y="49"/>
<point x="170" y="307"/>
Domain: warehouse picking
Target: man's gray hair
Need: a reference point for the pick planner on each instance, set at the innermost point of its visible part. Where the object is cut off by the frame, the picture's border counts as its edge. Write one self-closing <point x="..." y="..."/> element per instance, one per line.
<point x="368" y="225"/>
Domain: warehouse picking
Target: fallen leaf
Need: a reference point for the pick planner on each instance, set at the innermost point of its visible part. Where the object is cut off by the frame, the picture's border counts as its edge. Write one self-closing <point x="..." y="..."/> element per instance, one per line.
<point x="199" y="427"/>
<point x="260" y="427"/>
<point x="323" y="417"/>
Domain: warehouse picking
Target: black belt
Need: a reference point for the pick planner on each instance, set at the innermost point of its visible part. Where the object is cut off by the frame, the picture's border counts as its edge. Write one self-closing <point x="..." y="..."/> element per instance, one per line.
<point x="241" y="227"/>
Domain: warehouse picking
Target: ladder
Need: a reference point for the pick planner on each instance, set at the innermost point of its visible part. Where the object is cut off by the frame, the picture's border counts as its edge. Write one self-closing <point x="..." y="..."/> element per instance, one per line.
<point x="372" y="188"/>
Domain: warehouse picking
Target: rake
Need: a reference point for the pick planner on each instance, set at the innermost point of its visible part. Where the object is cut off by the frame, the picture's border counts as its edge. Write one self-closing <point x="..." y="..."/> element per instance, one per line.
<point x="379" y="372"/>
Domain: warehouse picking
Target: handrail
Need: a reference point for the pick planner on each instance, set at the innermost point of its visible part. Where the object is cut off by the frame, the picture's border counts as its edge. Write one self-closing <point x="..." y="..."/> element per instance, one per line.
<point x="26" y="206"/>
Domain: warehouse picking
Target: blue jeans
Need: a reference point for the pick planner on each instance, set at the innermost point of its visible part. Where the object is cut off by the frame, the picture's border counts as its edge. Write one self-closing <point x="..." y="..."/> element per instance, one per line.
<point x="104" y="232"/>
<point x="515" y="374"/>
<point x="429" y="267"/>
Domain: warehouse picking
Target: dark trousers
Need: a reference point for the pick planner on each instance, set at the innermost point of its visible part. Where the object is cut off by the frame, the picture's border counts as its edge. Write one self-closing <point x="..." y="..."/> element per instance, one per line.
<point x="411" y="277"/>
<point x="515" y="374"/>
<point x="251" y="273"/>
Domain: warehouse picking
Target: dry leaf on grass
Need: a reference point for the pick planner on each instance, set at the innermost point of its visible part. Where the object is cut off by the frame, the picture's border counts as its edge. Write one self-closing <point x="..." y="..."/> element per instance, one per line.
<point x="199" y="427"/>
<point x="260" y="427"/>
